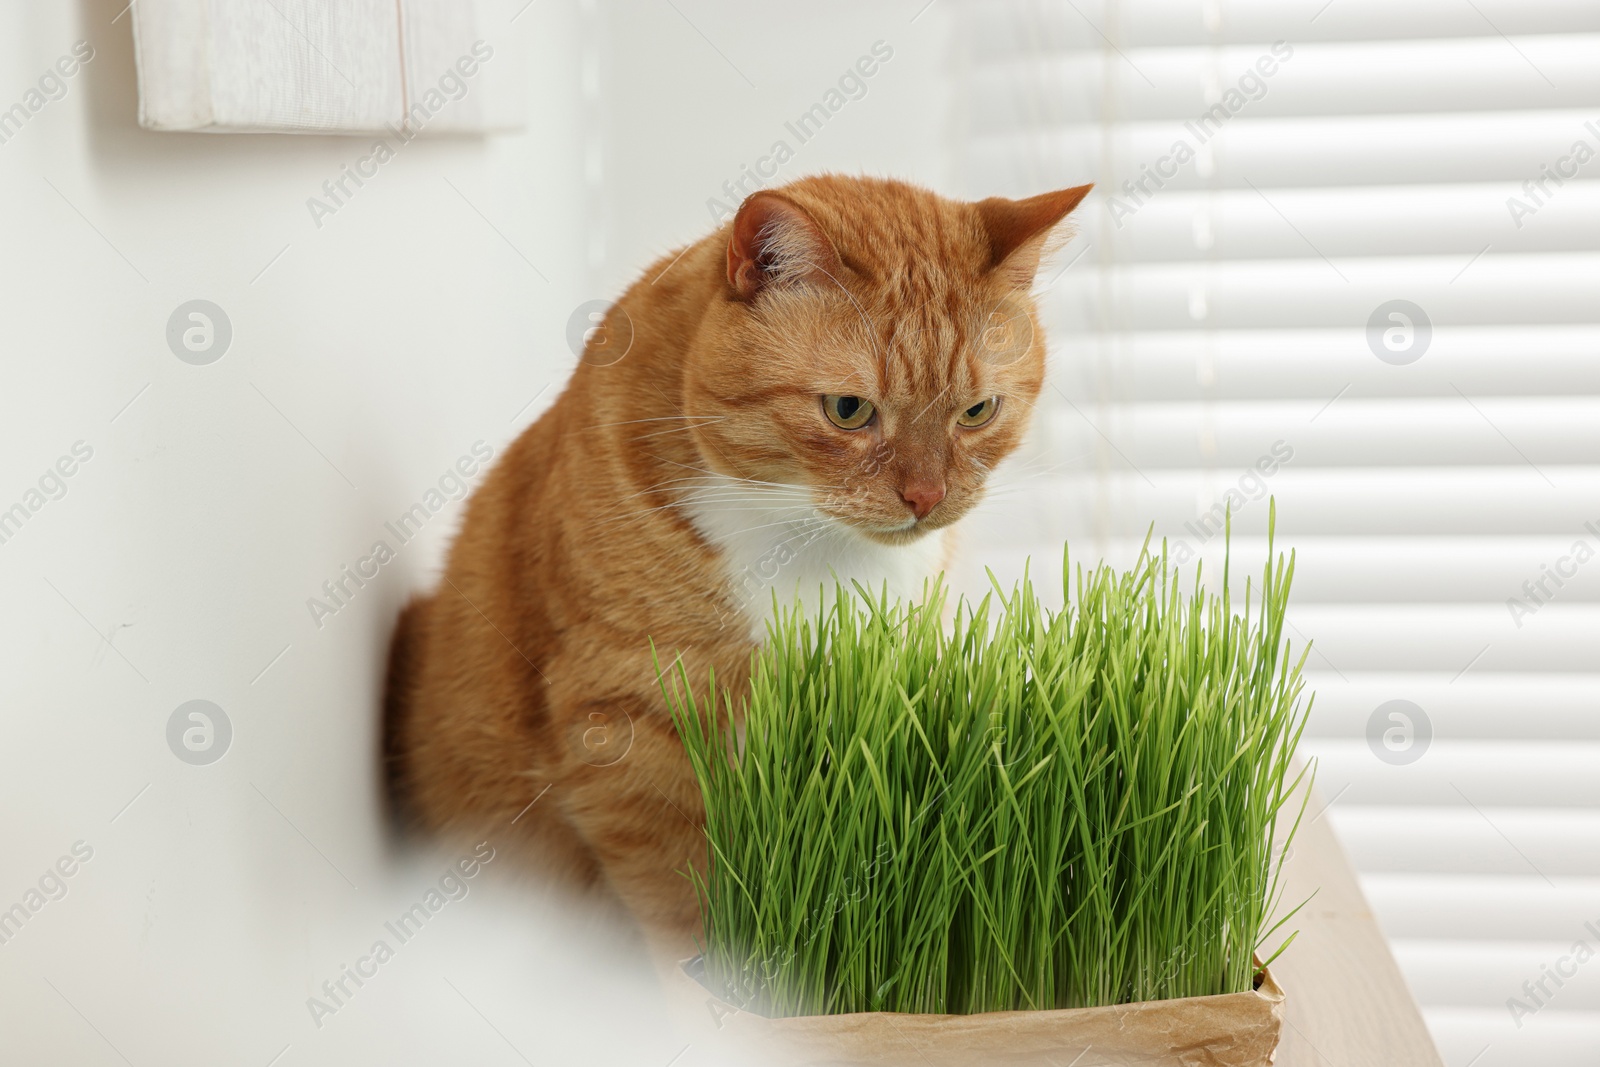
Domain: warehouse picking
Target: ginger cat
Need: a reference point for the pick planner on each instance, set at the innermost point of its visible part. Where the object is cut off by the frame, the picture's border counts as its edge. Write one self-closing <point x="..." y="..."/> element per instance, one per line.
<point x="821" y="387"/>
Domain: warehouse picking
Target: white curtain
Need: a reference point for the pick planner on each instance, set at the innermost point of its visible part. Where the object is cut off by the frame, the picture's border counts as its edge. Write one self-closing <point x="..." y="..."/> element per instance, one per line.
<point x="1347" y="254"/>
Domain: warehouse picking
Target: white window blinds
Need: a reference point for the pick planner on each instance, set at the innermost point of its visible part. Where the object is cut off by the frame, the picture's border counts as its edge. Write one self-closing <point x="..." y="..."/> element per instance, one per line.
<point x="1348" y="253"/>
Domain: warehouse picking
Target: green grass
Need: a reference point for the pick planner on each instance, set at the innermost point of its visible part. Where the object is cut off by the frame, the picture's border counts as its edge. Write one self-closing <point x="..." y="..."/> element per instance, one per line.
<point x="1024" y="809"/>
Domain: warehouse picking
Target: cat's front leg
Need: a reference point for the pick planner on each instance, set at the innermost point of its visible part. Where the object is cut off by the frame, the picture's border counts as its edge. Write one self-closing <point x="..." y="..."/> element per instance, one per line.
<point x="629" y="792"/>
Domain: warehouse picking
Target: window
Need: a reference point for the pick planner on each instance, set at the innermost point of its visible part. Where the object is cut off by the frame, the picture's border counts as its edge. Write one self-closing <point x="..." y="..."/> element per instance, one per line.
<point x="1348" y="254"/>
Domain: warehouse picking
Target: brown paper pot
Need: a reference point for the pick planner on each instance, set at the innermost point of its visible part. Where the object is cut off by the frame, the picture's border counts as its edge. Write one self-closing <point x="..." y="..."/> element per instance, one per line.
<point x="1231" y="1030"/>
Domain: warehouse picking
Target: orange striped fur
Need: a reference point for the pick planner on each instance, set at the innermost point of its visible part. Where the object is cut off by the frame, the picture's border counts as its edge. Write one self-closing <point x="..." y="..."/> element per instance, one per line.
<point x="669" y="495"/>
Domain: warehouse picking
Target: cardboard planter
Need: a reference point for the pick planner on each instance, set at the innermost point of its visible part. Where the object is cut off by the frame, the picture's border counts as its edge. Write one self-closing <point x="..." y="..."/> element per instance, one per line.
<point x="1230" y="1030"/>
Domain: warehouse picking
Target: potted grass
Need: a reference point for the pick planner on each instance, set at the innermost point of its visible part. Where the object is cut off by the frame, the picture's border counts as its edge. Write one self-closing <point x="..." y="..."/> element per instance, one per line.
<point x="1003" y="834"/>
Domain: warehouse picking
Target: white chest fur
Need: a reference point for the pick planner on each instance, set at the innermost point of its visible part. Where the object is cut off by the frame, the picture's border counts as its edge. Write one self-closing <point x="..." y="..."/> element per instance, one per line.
<point x="776" y="547"/>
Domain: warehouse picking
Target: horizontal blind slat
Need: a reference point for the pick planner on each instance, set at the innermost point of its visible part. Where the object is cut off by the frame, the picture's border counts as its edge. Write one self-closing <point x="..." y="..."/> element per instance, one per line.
<point x="1486" y="73"/>
<point x="1210" y="366"/>
<point x="1352" y="431"/>
<point x="1419" y="220"/>
<point x="1562" y="1038"/>
<point x="1427" y="906"/>
<point x="1421" y="839"/>
<point x="1473" y="774"/>
<point x="1476" y="706"/>
<point x="1368" y="570"/>
<point x="1491" y="289"/>
<point x="1026" y="28"/>
<point x="1048" y="506"/>
<point x="1301" y="151"/>
<point x="1445" y="972"/>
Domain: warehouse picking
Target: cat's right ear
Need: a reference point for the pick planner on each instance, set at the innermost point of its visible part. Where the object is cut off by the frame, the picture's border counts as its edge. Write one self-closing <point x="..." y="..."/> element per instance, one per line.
<point x="775" y="242"/>
<point x="1019" y="230"/>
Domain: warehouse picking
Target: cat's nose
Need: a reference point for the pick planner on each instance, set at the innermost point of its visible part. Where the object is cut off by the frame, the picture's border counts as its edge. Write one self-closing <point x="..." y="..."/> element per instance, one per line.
<point x="922" y="496"/>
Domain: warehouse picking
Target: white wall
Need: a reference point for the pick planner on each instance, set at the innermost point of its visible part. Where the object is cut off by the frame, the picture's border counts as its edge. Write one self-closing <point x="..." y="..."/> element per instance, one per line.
<point x="364" y="360"/>
<point x="376" y="350"/>
<point x="699" y="91"/>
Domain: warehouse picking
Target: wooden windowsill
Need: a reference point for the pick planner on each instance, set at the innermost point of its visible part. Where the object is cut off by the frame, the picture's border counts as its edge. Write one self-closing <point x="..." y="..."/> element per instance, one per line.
<point x="1346" y="1003"/>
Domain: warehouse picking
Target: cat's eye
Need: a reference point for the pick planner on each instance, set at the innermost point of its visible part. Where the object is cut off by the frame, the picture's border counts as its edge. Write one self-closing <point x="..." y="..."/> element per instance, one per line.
<point x="847" y="412"/>
<point x="979" y="413"/>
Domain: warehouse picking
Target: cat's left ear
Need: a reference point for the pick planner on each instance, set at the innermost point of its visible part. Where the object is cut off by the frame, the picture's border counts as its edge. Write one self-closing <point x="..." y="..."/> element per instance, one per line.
<point x="776" y="241"/>
<point x="1019" y="230"/>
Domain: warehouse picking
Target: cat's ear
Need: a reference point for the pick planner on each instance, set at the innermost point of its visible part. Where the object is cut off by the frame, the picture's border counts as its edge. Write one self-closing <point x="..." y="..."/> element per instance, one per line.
<point x="1019" y="230"/>
<point x="775" y="241"/>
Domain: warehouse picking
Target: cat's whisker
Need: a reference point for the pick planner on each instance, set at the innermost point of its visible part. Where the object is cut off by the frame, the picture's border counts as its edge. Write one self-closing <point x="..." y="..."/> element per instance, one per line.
<point x="802" y="513"/>
<point x="1022" y="479"/>
<point x="625" y="509"/>
<point x="725" y="510"/>
<point x="675" y="429"/>
<point x="743" y="502"/>
<point x="1041" y="466"/>
<point x="809" y="531"/>
<point x="621" y="515"/>
<point x="935" y="400"/>
<point x="721" y="480"/>
<point x="866" y="320"/>
<point x="667" y="484"/>
<point x="718" y="476"/>
<point x="742" y="497"/>
<point x="1025" y="402"/>
<point x="708" y="482"/>
<point x="774" y="497"/>
<point x="804" y="522"/>
<point x="660" y="418"/>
